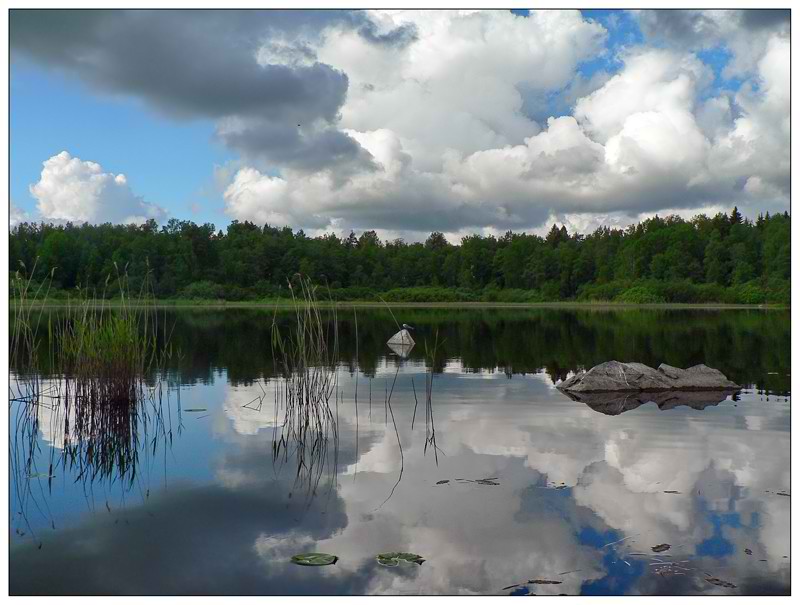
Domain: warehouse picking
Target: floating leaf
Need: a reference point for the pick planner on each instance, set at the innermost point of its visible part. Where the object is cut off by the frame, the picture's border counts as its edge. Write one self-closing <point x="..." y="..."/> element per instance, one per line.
<point x="718" y="582"/>
<point x="544" y="582"/>
<point x="443" y="481"/>
<point x="315" y="559"/>
<point x="196" y="410"/>
<point x="393" y="559"/>
<point x="671" y="491"/>
<point x="40" y="476"/>
<point x="660" y="547"/>
<point x="747" y="551"/>
<point x="781" y="494"/>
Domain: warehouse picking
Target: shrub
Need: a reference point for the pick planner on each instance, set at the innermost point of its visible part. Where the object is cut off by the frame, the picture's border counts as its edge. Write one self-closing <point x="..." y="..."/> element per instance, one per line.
<point x="712" y="293"/>
<point x="429" y="294"/>
<point x="203" y="290"/>
<point x="640" y="295"/>
<point x="779" y="291"/>
<point x="511" y="295"/>
<point x="351" y="293"/>
<point x="750" y="293"/>
<point x="602" y="292"/>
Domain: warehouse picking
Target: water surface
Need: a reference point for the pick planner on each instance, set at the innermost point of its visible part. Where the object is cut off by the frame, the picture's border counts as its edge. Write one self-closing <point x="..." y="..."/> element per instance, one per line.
<point x="572" y="493"/>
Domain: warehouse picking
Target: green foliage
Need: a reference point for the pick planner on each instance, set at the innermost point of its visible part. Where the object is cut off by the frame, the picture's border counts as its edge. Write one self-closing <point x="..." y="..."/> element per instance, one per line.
<point x="724" y="258"/>
<point x="393" y="559"/>
<point x="429" y="295"/>
<point x="751" y="294"/>
<point x="314" y="559"/>
<point x="203" y="290"/>
<point x="640" y="295"/>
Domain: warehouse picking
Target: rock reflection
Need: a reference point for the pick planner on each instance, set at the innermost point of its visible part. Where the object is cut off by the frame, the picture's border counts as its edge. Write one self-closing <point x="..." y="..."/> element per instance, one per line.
<point x="613" y="404"/>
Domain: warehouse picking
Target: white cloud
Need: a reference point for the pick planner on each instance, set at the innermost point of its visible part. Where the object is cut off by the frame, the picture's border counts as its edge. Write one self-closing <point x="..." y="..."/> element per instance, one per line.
<point x="71" y="189"/>
<point x="16" y="215"/>
<point x="413" y="121"/>
<point x="444" y="123"/>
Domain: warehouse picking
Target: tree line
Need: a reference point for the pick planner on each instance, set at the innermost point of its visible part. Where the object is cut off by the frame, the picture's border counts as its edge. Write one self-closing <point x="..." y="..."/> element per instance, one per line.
<point x="725" y="258"/>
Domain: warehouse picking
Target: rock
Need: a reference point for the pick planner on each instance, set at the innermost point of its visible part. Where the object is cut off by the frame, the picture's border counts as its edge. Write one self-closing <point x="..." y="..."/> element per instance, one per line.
<point x="697" y="378"/>
<point x="615" y="376"/>
<point x="402" y="338"/>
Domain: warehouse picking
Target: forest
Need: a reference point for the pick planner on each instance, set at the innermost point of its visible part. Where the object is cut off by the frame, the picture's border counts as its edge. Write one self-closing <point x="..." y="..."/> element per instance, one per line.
<point x="721" y="259"/>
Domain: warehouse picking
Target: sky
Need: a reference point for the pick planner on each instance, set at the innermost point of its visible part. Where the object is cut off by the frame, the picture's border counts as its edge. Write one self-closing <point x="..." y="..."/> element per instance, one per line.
<point x="404" y="122"/>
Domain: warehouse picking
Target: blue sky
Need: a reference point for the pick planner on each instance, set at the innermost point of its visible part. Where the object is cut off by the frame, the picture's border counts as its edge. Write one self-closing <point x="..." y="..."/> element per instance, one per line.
<point x="119" y="133"/>
<point x="169" y="154"/>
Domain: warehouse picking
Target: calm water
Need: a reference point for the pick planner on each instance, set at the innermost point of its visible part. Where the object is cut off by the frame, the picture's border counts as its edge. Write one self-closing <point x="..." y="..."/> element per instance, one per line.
<point x="576" y="494"/>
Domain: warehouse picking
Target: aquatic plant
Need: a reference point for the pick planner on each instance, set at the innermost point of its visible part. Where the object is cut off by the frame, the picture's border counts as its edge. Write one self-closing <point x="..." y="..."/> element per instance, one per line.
<point x="394" y="559"/>
<point x="24" y="337"/>
<point x="306" y="359"/>
<point x="314" y="559"/>
<point x="100" y="390"/>
<point x="430" y="424"/>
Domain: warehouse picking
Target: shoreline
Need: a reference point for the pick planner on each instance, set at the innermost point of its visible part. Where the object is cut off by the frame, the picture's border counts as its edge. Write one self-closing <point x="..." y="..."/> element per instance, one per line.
<point x="287" y="304"/>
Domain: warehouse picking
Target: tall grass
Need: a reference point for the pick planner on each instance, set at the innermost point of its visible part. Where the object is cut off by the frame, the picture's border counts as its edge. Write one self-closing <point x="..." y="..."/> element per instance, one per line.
<point x="306" y="358"/>
<point x="25" y="337"/>
<point x="101" y="389"/>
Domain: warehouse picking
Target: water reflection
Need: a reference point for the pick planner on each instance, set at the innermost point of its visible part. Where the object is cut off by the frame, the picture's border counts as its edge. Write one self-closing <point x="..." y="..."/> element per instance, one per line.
<point x="612" y="404"/>
<point x="571" y="485"/>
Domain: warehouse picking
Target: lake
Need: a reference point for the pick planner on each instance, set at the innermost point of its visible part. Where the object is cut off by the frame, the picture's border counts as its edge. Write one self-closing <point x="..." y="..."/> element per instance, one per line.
<point x="502" y="479"/>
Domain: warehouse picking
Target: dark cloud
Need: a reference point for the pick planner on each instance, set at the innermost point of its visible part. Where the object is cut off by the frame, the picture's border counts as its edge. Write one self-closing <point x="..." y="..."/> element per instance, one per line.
<point x="699" y="29"/>
<point x="400" y="36"/>
<point x="266" y="143"/>
<point x="764" y="18"/>
<point x="199" y="63"/>
<point x="192" y="539"/>
<point x="684" y="27"/>
<point x="185" y="63"/>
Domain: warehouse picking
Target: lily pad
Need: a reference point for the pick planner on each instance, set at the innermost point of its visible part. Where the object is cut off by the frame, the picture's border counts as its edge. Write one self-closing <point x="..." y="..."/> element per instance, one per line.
<point x="315" y="559"/>
<point x="393" y="559"/>
<point x="660" y="547"/>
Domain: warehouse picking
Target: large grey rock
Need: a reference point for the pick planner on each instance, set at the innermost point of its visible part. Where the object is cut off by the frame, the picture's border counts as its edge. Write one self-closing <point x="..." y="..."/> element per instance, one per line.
<point x="615" y="376"/>
<point x="699" y="377"/>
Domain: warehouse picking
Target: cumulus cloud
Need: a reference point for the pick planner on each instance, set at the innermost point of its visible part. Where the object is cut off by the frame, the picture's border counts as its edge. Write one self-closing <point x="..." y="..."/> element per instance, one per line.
<point x="412" y="121"/>
<point x="70" y="189"/>
<point x="744" y="33"/>
<point x="445" y="124"/>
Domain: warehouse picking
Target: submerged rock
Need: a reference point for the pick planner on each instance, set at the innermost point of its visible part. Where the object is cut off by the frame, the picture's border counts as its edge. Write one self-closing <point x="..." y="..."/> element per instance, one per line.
<point x="615" y="376"/>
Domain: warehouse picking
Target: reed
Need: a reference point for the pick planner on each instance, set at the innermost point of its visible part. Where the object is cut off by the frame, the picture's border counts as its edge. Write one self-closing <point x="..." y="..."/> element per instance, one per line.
<point x="306" y="357"/>
<point x="430" y="424"/>
<point x="100" y="392"/>
<point x="25" y="333"/>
